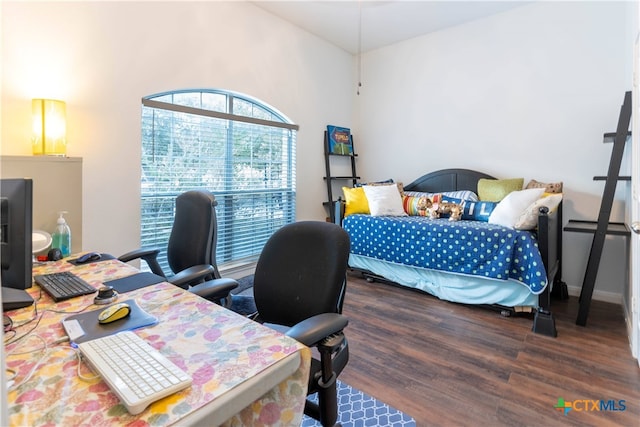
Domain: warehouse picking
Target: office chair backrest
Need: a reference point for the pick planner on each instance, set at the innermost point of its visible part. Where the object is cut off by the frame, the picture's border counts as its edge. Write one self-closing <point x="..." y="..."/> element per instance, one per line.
<point x="301" y="272"/>
<point x="193" y="236"/>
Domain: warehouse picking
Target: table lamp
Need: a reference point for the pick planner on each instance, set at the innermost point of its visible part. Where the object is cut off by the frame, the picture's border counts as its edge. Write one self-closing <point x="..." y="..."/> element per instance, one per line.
<point x="49" y="127"/>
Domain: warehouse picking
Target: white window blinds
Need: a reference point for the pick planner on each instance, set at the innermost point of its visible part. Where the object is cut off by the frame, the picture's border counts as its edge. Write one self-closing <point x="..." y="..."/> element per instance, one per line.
<point x="237" y="148"/>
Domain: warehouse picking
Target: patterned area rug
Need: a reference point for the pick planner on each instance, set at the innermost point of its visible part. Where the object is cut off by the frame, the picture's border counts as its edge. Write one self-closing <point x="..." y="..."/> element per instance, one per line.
<point x="356" y="409"/>
<point x="245" y="285"/>
<point x="242" y="297"/>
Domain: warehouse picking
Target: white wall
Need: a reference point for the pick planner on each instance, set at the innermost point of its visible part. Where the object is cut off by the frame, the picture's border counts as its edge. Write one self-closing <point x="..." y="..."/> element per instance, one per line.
<point x="527" y="93"/>
<point x="103" y="57"/>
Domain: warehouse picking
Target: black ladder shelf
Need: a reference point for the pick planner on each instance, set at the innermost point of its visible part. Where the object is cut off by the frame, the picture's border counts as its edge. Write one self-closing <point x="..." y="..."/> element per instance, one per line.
<point x="330" y="179"/>
<point x="602" y="227"/>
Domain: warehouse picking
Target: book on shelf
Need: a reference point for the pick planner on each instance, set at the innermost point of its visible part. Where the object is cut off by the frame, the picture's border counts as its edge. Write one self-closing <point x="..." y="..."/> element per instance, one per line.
<point x="339" y="140"/>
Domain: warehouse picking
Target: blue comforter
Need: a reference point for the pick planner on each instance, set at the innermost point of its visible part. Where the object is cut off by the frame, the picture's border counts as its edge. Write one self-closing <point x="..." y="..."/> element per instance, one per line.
<point x="464" y="247"/>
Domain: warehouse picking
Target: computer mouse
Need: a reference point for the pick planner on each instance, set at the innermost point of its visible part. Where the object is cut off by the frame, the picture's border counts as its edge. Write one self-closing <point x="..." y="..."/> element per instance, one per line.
<point x="89" y="257"/>
<point x="54" y="254"/>
<point x="114" y="312"/>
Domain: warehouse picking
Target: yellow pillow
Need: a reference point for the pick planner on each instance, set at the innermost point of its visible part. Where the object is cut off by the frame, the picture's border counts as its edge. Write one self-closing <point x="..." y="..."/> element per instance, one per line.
<point x="356" y="201"/>
<point x="494" y="190"/>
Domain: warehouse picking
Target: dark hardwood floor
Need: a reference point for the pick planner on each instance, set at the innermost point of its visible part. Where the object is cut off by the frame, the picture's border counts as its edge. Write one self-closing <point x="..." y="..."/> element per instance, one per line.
<point x="448" y="364"/>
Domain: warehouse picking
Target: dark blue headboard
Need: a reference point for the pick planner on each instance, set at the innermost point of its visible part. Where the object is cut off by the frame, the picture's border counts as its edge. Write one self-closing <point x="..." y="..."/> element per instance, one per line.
<point x="448" y="180"/>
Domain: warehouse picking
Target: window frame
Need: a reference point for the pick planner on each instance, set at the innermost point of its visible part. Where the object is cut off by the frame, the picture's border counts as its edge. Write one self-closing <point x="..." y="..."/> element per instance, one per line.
<point x="228" y="197"/>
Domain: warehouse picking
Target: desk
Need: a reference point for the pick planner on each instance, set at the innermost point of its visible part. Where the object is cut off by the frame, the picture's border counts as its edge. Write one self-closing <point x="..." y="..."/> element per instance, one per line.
<point x="243" y="373"/>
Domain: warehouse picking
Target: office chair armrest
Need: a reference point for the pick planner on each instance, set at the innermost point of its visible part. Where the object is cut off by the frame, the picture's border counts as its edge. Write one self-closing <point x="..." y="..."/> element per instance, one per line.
<point x="315" y="329"/>
<point x="139" y="253"/>
<point x="214" y="290"/>
<point x="150" y="256"/>
<point x="192" y="274"/>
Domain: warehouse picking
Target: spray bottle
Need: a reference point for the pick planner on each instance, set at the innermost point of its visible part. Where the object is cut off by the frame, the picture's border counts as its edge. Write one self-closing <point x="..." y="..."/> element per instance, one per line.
<point x="62" y="236"/>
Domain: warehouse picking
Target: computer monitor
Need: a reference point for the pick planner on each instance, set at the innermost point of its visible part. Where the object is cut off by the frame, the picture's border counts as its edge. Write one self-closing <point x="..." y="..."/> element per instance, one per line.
<point x="16" y="237"/>
<point x="16" y="232"/>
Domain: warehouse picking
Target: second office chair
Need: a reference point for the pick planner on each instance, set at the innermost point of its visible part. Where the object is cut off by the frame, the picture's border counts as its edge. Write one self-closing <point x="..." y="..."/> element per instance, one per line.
<point x="299" y="287"/>
<point x="191" y="251"/>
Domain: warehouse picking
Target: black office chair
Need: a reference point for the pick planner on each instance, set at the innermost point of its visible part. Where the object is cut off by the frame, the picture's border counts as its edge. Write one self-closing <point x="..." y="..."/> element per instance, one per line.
<point x="191" y="251"/>
<point x="299" y="287"/>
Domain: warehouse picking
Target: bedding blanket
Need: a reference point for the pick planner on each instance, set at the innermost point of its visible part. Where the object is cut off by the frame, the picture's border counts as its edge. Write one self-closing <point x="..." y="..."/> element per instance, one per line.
<point x="464" y="247"/>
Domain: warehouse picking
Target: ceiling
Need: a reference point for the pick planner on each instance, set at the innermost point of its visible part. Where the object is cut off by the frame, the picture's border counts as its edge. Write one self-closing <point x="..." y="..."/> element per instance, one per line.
<point x="382" y="23"/>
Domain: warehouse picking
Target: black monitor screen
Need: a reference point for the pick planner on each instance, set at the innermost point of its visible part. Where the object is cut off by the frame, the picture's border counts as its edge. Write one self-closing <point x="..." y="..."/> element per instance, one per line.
<point x="16" y="217"/>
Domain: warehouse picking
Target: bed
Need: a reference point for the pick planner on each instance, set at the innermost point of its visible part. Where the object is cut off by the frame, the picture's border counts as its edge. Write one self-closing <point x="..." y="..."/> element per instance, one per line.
<point x="466" y="261"/>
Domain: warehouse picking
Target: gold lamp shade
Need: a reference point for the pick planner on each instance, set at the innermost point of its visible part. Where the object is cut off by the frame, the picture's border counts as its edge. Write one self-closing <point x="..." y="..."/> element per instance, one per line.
<point x="49" y="127"/>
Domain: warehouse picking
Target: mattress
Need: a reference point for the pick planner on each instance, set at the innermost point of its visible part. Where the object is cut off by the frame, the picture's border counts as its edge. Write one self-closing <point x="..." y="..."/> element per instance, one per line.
<point x="466" y="248"/>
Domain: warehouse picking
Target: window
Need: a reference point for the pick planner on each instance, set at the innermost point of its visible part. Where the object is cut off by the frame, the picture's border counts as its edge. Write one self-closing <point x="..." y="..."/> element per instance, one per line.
<point x="240" y="149"/>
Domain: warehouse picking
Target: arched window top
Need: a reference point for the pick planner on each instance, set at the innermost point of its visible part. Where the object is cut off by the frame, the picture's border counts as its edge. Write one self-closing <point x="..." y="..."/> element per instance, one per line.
<point x="223" y="104"/>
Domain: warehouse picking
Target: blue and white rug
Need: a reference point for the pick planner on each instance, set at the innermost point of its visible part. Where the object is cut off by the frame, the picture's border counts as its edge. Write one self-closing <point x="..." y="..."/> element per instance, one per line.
<point x="357" y="409"/>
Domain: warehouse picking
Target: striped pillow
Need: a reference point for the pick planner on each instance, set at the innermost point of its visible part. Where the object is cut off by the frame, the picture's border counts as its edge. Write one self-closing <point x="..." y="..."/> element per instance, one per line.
<point x="416" y="205"/>
<point x="460" y="194"/>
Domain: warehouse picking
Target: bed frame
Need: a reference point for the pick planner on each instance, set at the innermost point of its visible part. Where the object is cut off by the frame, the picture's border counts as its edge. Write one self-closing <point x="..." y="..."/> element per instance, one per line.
<point x="549" y="233"/>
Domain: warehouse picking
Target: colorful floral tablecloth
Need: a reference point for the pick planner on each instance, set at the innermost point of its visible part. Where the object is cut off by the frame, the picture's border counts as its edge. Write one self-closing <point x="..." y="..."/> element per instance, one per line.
<point x="218" y="348"/>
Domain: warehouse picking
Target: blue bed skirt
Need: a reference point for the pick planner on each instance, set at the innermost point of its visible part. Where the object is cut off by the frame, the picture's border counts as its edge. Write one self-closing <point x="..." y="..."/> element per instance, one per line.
<point x="452" y="287"/>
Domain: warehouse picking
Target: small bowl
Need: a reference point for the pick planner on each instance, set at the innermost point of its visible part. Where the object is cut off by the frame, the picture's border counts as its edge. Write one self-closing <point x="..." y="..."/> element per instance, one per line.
<point x="41" y="241"/>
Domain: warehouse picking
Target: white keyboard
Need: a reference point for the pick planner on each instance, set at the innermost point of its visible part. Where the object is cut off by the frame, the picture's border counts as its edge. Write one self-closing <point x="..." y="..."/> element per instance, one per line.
<point x="136" y="372"/>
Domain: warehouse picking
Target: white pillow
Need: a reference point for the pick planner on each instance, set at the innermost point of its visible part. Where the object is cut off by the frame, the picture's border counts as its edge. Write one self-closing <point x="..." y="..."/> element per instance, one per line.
<point x="384" y="200"/>
<point x="529" y="218"/>
<point x="513" y="205"/>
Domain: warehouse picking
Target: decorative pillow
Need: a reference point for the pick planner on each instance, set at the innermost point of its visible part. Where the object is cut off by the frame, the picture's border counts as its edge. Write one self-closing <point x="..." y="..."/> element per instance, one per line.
<point x="355" y="201"/>
<point x="473" y="210"/>
<point x="528" y="220"/>
<point x="552" y="187"/>
<point x="418" y="194"/>
<point x="416" y="206"/>
<point x="460" y="194"/>
<point x="384" y="200"/>
<point x="442" y="197"/>
<point x="508" y="211"/>
<point x="478" y="211"/>
<point x="385" y="182"/>
<point x="494" y="190"/>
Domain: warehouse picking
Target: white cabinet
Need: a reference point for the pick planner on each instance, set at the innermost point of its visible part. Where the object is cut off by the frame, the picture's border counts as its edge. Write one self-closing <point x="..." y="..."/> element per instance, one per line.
<point x="57" y="186"/>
